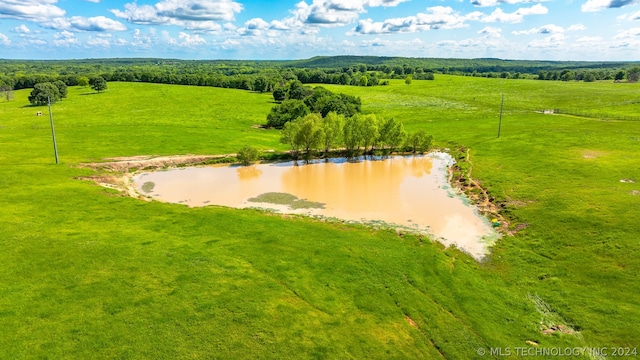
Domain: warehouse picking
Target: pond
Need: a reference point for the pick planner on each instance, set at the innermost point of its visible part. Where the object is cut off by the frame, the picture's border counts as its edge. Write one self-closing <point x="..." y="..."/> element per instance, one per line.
<point x="405" y="192"/>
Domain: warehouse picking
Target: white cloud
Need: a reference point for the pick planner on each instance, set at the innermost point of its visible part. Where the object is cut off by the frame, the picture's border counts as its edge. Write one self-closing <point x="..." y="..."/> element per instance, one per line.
<point x="256" y="24"/>
<point x="437" y="17"/>
<point x="346" y="43"/>
<point x="259" y="27"/>
<point x="490" y="31"/>
<point x="93" y="1"/>
<point x="184" y="39"/>
<point x="4" y="40"/>
<point x="485" y="3"/>
<point x="22" y="29"/>
<point x="598" y="5"/>
<point x="142" y="40"/>
<point x="552" y="41"/>
<point x="628" y="40"/>
<point x="97" y="23"/>
<point x="202" y="26"/>
<point x="385" y="3"/>
<point x="631" y="17"/>
<point x="65" y="38"/>
<point x="328" y="13"/>
<point x="629" y="34"/>
<point x="335" y="12"/>
<point x="81" y="23"/>
<point x="144" y="14"/>
<point x="32" y="10"/>
<point x="199" y="10"/>
<point x="183" y="13"/>
<point x="515" y="17"/>
<point x="546" y="29"/>
<point x="98" y="42"/>
<point x="590" y="39"/>
<point x="577" y="27"/>
<point x="37" y="42"/>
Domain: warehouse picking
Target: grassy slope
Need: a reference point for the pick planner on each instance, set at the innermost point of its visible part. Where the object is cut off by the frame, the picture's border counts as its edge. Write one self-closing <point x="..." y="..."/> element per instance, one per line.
<point x="90" y="274"/>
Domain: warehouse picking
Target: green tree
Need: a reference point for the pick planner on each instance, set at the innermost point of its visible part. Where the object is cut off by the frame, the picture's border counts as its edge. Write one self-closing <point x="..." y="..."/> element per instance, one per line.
<point x="408" y="79"/>
<point x="332" y="130"/>
<point x="7" y="91"/>
<point x="279" y="94"/>
<point x="287" y="111"/>
<point x="298" y="91"/>
<point x="98" y="83"/>
<point x="392" y="134"/>
<point x="633" y="75"/>
<point x="370" y="132"/>
<point x="310" y="133"/>
<point x="589" y="77"/>
<point x="620" y="75"/>
<point x="420" y="141"/>
<point x="289" y="136"/>
<point x="352" y="134"/>
<point x="248" y="154"/>
<point x="42" y="92"/>
<point x="261" y="84"/>
<point x="83" y="81"/>
<point x="62" y="88"/>
<point x="567" y="75"/>
<point x="364" y="80"/>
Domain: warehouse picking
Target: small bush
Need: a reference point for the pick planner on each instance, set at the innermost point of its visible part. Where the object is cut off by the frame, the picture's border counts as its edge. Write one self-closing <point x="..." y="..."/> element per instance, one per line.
<point x="248" y="154"/>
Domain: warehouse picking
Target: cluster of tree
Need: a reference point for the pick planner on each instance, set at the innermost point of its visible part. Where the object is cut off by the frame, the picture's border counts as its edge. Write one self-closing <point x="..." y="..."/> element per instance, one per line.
<point x="631" y="75"/>
<point x="297" y="100"/>
<point x="57" y="90"/>
<point x="253" y="76"/>
<point x="399" y="67"/>
<point x="46" y="92"/>
<point x="357" y="134"/>
<point x="264" y="76"/>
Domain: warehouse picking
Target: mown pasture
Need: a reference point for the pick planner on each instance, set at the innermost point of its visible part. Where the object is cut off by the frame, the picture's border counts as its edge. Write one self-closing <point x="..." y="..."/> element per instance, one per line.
<point x="89" y="273"/>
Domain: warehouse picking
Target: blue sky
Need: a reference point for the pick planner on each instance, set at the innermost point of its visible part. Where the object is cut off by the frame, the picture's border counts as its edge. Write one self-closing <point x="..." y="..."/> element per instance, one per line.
<point x="236" y="29"/>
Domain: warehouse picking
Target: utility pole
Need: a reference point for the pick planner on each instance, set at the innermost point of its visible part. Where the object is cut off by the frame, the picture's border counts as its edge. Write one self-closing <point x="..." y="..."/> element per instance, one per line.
<point x="53" y="131"/>
<point x="500" y="123"/>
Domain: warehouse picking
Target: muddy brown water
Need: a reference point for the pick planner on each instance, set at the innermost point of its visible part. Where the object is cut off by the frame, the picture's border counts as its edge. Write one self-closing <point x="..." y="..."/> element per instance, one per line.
<point x="410" y="193"/>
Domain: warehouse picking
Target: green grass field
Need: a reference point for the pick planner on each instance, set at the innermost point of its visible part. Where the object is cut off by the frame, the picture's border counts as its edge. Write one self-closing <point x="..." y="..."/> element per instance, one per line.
<point x="87" y="273"/>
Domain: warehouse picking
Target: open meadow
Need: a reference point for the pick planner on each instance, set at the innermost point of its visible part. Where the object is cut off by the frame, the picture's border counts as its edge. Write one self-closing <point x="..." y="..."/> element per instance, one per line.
<point x="89" y="273"/>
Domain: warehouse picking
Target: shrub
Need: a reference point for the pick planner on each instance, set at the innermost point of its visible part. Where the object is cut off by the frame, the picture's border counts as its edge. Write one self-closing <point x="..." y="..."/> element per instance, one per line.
<point x="248" y="154"/>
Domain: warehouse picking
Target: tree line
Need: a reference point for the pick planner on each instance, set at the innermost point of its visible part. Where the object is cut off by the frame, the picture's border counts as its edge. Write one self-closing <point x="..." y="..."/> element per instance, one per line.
<point x="52" y="92"/>
<point x="296" y="100"/>
<point x="318" y="120"/>
<point x="631" y="75"/>
<point x="352" y="136"/>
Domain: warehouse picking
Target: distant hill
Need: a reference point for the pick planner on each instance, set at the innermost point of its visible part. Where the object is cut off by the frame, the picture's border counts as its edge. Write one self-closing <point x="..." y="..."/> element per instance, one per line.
<point x="450" y="64"/>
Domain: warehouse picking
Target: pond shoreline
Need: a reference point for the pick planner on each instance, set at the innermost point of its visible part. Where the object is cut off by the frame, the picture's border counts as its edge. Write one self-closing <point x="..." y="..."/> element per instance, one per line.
<point x="118" y="174"/>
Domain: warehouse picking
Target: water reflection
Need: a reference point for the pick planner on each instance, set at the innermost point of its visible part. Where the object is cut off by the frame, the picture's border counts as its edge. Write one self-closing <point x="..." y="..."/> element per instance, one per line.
<point x="409" y="192"/>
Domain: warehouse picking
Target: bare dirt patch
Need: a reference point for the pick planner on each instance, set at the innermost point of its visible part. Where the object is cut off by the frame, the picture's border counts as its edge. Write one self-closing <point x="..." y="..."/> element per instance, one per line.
<point x="410" y="321"/>
<point x="150" y="162"/>
<point x="592" y="154"/>
<point x="120" y="169"/>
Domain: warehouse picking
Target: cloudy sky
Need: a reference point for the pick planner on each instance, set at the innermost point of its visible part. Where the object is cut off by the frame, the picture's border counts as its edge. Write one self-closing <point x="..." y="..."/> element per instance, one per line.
<point x="250" y="29"/>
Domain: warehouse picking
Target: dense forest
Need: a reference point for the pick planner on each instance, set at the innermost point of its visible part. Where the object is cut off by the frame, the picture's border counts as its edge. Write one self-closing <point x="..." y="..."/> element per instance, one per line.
<point x="266" y="76"/>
